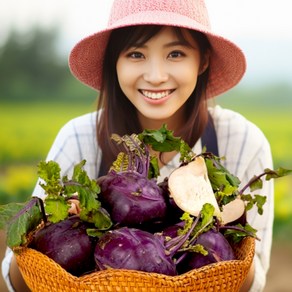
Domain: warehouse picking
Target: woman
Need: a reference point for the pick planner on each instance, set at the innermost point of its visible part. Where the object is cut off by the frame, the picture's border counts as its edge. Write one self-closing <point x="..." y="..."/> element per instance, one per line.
<point x="158" y="62"/>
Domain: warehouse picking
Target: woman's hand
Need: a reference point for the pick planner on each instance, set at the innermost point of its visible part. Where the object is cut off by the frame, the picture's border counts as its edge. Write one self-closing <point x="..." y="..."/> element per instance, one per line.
<point x="249" y="279"/>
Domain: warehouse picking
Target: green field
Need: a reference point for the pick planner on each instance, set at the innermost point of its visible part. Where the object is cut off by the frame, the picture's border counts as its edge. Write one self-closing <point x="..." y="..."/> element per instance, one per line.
<point x="25" y="139"/>
<point x="28" y="130"/>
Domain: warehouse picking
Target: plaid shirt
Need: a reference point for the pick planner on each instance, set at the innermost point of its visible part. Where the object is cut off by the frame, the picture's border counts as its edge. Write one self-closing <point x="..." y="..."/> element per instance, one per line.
<point x="244" y="146"/>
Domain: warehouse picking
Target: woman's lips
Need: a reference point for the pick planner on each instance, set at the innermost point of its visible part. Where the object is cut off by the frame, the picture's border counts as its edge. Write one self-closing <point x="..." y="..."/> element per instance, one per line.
<point x="156" y="95"/>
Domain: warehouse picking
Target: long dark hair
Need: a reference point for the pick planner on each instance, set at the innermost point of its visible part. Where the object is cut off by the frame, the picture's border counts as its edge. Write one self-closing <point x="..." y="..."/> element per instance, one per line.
<point x="118" y="114"/>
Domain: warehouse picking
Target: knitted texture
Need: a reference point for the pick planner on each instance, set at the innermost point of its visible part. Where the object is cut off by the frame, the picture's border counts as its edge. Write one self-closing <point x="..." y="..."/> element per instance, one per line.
<point x="42" y="274"/>
<point x="195" y="10"/>
<point x="227" y="62"/>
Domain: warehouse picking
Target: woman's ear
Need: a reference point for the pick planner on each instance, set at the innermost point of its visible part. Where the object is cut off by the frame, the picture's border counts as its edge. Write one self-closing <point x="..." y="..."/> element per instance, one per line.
<point x="205" y="60"/>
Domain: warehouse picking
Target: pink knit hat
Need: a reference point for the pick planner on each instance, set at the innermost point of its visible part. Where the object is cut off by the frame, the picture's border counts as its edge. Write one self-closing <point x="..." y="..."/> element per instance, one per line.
<point x="227" y="62"/>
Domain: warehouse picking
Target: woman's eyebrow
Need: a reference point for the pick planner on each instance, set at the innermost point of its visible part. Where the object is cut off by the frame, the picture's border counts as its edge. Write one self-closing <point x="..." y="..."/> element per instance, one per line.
<point x="178" y="43"/>
<point x="136" y="46"/>
<point x="167" y="45"/>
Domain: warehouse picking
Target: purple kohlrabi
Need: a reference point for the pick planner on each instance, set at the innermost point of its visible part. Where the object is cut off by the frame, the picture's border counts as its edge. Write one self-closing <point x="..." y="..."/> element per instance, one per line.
<point x="133" y="249"/>
<point x="128" y="194"/>
<point x="131" y="198"/>
<point x="68" y="244"/>
<point x="215" y="244"/>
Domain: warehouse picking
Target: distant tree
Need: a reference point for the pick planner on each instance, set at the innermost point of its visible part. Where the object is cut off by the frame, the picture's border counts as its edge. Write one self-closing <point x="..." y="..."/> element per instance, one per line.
<point x="31" y="68"/>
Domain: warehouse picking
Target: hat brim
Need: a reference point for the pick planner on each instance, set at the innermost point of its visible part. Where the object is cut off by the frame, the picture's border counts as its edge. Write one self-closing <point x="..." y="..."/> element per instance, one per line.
<point x="227" y="61"/>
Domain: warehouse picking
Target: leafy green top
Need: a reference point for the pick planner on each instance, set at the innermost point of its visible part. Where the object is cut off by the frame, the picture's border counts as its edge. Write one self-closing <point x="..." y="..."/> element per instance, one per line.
<point x="20" y="219"/>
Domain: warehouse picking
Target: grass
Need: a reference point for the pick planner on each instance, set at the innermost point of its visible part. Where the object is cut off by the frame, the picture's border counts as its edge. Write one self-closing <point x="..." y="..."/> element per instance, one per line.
<point x="26" y="138"/>
<point x="31" y="128"/>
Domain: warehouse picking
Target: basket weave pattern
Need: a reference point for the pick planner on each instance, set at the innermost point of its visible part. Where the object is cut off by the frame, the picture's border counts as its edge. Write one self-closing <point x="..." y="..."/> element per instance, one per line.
<point x="43" y="274"/>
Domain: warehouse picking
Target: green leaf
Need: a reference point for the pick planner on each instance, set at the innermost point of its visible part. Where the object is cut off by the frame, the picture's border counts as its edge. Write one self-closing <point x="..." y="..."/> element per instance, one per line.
<point x="224" y="199"/>
<point x="99" y="218"/>
<point x="50" y="173"/>
<point x="94" y="232"/>
<point x="80" y="186"/>
<point x="57" y="208"/>
<point x="87" y="196"/>
<point x="188" y="220"/>
<point x="256" y="183"/>
<point x="186" y="153"/>
<point x="80" y="176"/>
<point x="91" y="210"/>
<point x="260" y="201"/>
<point x="280" y="172"/>
<point x="7" y="212"/>
<point x="161" y="140"/>
<point x="24" y="221"/>
<point x="198" y="248"/>
<point x="249" y="200"/>
<point x="221" y="179"/>
<point x="154" y="136"/>
<point x="207" y="214"/>
<point x="238" y="232"/>
<point x="153" y="168"/>
<point x="257" y="200"/>
<point x="207" y="220"/>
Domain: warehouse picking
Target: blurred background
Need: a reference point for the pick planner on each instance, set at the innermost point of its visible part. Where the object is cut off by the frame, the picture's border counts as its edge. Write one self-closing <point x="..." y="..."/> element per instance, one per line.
<point x="38" y="93"/>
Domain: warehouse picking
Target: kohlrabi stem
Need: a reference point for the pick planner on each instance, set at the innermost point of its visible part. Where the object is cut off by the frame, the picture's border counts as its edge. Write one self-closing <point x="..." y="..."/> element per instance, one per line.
<point x="173" y="248"/>
<point x="200" y="231"/>
<point x="147" y="156"/>
<point x="226" y="227"/>
<point x="173" y="242"/>
<point x="251" y="181"/>
<point x="192" y="240"/>
<point x="41" y="205"/>
<point x="141" y="166"/>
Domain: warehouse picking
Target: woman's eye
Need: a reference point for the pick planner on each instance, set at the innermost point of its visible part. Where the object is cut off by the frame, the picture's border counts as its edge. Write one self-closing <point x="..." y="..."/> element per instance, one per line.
<point x="176" y="54"/>
<point x="135" y="55"/>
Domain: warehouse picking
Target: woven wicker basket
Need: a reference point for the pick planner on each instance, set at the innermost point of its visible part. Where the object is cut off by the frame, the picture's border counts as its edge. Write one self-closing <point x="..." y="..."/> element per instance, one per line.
<point x="43" y="274"/>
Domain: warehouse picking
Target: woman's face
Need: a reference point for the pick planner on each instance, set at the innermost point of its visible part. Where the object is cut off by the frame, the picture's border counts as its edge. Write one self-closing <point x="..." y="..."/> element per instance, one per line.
<point x="159" y="76"/>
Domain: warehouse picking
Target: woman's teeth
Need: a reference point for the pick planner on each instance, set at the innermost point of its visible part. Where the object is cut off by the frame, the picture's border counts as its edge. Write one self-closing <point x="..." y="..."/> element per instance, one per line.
<point x="155" y="95"/>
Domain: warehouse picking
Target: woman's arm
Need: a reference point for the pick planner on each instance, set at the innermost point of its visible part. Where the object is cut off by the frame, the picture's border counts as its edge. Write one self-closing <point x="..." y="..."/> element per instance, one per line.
<point x="16" y="278"/>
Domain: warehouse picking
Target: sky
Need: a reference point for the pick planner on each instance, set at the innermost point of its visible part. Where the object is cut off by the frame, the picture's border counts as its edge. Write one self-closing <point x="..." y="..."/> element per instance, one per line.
<point x="262" y="28"/>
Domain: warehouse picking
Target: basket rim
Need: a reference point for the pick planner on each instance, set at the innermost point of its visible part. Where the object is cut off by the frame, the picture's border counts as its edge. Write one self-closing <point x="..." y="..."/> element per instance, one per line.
<point x="41" y="272"/>
<point x="236" y="262"/>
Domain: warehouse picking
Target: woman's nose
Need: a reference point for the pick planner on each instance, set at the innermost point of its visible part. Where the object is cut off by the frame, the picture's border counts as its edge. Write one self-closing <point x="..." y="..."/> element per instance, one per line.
<point x="155" y="72"/>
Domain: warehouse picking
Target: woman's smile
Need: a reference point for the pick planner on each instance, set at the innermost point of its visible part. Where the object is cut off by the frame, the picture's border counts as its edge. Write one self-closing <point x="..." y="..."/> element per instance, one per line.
<point x="156" y="94"/>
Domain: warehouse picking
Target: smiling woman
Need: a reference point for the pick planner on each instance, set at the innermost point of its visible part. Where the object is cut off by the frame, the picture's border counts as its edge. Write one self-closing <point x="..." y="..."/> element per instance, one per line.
<point x="183" y="64"/>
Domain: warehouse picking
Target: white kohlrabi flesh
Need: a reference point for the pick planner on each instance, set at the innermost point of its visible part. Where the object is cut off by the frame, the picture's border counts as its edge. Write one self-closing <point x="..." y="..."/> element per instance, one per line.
<point x="233" y="210"/>
<point x="190" y="187"/>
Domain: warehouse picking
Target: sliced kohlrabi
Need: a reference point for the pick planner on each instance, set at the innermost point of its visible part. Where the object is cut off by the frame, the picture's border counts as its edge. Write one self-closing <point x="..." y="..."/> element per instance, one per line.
<point x="190" y="187"/>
